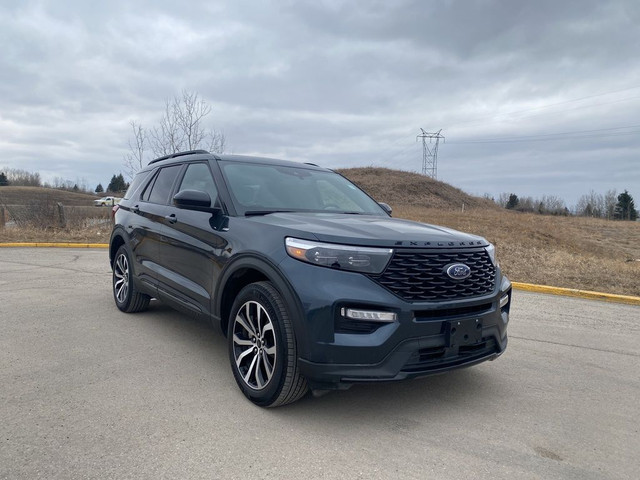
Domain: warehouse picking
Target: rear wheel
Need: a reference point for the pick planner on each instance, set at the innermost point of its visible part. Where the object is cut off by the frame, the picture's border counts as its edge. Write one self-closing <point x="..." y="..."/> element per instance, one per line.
<point x="127" y="297"/>
<point x="262" y="348"/>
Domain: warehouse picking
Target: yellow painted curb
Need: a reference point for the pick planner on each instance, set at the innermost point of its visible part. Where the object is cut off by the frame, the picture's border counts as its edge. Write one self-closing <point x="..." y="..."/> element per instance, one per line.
<point x="56" y="245"/>
<point x="572" y="292"/>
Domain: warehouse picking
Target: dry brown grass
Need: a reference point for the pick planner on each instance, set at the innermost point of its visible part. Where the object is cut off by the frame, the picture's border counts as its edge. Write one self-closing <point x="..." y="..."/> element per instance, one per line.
<point x="29" y="195"/>
<point x="406" y="188"/>
<point x="90" y="234"/>
<point x="33" y="216"/>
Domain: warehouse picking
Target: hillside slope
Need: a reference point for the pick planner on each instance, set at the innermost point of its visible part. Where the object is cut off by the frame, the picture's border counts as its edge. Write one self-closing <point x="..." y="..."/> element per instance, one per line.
<point x="41" y="195"/>
<point x="398" y="188"/>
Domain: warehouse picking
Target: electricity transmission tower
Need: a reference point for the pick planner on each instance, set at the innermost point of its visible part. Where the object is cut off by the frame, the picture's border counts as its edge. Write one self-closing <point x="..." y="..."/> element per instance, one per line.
<point x="430" y="152"/>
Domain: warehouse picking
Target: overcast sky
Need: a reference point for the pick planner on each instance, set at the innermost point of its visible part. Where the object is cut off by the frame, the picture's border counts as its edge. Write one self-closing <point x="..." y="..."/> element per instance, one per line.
<point x="534" y="97"/>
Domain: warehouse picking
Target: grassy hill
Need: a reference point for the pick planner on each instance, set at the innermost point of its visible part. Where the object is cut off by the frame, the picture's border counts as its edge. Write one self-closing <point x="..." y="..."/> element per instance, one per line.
<point x="412" y="189"/>
<point x="40" y="195"/>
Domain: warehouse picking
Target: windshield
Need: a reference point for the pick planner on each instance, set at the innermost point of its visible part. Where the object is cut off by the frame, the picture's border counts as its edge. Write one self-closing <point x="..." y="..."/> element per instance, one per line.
<point x="259" y="189"/>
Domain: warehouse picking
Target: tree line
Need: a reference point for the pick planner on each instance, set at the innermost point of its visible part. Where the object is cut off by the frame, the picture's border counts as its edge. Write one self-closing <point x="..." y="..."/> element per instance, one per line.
<point x="19" y="178"/>
<point x="23" y="178"/>
<point x="610" y="205"/>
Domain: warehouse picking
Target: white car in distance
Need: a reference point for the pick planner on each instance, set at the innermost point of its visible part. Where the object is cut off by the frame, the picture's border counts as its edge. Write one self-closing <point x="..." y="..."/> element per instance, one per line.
<point x="106" y="201"/>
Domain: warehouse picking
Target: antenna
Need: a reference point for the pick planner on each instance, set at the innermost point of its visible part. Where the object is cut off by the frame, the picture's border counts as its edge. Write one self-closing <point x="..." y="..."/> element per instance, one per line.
<point x="430" y="152"/>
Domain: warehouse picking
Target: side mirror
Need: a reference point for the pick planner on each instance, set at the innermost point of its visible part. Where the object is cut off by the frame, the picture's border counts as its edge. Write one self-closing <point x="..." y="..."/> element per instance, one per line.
<point x="193" y="200"/>
<point x="386" y="207"/>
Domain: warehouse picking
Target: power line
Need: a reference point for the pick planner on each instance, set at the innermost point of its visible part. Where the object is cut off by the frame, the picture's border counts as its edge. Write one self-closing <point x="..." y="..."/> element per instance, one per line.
<point x="595" y="133"/>
<point x="389" y="148"/>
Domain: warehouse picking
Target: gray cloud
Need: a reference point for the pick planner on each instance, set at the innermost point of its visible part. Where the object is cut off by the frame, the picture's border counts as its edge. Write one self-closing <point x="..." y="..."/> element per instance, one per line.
<point x="338" y="83"/>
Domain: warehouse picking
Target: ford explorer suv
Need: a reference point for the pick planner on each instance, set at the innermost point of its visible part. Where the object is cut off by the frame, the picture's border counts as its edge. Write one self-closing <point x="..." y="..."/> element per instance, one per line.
<point x="313" y="283"/>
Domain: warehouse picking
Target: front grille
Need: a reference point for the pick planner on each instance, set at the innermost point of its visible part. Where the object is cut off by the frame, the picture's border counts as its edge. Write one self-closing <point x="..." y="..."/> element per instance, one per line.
<point x="441" y="313"/>
<point x="420" y="275"/>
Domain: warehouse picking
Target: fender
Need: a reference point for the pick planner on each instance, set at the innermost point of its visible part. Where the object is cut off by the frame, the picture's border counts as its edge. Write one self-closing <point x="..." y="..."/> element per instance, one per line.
<point x="257" y="262"/>
<point x="118" y="230"/>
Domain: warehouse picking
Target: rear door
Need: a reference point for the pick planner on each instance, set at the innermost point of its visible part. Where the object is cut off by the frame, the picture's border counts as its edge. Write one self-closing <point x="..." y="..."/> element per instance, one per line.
<point x="150" y="209"/>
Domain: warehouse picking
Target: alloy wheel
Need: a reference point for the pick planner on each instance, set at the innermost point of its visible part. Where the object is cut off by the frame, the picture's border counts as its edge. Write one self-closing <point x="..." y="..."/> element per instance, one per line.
<point x="254" y="345"/>
<point x="121" y="278"/>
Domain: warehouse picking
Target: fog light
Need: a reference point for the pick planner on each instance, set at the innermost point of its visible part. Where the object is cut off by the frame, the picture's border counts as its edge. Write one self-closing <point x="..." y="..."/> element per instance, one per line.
<point x="368" y="315"/>
<point x="504" y="300"/>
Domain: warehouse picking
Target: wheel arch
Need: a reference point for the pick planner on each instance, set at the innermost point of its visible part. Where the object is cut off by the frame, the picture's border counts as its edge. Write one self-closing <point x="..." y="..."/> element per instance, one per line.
<point x="117" y="240"/>
<point x="249" y="269"/>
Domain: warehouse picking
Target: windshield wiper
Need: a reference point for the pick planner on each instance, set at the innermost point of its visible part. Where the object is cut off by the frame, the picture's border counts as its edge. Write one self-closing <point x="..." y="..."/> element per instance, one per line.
<point x="255" y="213"/>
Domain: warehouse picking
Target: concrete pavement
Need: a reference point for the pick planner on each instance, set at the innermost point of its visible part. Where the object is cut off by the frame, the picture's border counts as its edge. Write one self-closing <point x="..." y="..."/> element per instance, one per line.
<point x="90" y="392"/>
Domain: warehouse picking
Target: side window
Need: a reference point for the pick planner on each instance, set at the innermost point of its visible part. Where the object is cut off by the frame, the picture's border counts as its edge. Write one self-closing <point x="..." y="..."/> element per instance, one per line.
<point x="147" y="189"/>
<point x="137" y="181"/>
<point x="198" y="177"/>
<point x="158" y="191"/>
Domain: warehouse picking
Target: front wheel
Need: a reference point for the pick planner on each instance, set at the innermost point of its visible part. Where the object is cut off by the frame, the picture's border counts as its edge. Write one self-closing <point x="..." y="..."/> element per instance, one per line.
<point x="127" y="297"/>
<point x="262" y="348"/>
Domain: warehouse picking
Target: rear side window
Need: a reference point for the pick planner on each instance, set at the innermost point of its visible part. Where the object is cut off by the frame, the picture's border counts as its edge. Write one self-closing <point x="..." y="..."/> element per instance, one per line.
<point x="160" y="188"/>
<point x="198" y="177"/>
<point x="135" y="184"/>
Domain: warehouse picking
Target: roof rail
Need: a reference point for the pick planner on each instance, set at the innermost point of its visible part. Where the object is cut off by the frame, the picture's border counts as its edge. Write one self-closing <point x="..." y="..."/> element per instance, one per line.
<point x="309" y="163"/>
<point x="178" y="154"/>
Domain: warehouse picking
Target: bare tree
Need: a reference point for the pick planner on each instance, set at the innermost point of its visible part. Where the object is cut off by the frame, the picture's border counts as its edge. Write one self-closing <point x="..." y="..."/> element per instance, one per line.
<point x="552" y="205"/>
<point x="22" y="178"/>
<point x="181" y="127"/>
<point x="167" y="138"/>
<point x="610" y="201"/>
<point x="527" y="204"/>
<point x="134" y="160"/>
<point x="217" y="141"/>
<point x="503" y="199"/>
<point x="591" y="205"/>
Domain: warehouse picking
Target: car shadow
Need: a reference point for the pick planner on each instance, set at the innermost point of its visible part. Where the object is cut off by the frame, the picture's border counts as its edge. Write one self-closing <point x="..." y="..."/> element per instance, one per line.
<point x="395" y="405"/>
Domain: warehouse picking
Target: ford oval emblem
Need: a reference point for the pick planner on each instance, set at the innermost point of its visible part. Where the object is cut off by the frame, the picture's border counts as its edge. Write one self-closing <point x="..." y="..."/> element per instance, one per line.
<point x="458" y="271"/>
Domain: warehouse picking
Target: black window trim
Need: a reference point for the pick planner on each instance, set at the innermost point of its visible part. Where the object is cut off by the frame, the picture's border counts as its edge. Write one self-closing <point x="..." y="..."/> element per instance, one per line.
<point x="172" y="190"/>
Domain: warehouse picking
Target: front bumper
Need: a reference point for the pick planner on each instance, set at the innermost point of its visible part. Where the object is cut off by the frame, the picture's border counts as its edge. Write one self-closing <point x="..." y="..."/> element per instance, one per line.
<point x="427" y="337"/>
<point x="413" y="358"/>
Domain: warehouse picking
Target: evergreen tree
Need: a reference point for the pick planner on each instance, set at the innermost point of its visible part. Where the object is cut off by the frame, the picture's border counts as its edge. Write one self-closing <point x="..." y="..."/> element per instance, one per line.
<point x="99" y="188"/>
<point x="117" y="184"/>
<point x="4" y="181"/>
<point x="625" y="208"/>
<point x="513" y="201"/>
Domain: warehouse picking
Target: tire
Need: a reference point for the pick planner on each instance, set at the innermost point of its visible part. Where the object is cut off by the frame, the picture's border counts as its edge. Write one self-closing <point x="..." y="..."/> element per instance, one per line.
<point x="262" y="347"/>
<point x="127" y="297"/>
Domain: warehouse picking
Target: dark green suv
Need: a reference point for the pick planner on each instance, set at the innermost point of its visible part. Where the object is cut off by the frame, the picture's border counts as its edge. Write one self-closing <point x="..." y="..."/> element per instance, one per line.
<point x="313" y="283"/>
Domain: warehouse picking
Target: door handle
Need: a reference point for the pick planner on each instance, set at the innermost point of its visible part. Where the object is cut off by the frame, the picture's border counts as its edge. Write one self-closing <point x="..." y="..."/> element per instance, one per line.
<point x="135" y="209"/>
<point x="171" y="218"/>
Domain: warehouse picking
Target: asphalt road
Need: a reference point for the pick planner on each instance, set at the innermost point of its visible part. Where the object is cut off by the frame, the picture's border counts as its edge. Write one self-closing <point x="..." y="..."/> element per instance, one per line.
<point x="89" y="392"/>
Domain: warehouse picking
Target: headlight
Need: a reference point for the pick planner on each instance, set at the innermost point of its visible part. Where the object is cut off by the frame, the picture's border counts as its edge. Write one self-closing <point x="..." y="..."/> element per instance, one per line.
<point x="342" y="257"/>
<point x="491" y="250"/>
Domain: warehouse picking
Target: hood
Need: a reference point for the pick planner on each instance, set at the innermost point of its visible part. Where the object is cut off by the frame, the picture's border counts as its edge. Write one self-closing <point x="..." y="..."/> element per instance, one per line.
<point x="369" y="230"/>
